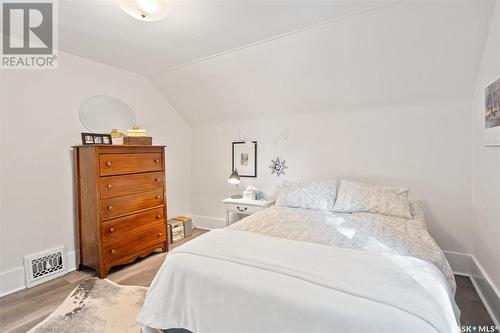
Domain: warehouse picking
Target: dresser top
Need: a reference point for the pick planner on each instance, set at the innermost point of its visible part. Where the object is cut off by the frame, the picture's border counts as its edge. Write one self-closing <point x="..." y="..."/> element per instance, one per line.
<point x="118" y="146"/>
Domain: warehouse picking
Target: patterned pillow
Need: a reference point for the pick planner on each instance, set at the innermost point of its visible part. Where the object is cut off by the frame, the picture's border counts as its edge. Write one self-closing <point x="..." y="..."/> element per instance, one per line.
<point x="358" y="197"/>
<point x="317" y="195"/>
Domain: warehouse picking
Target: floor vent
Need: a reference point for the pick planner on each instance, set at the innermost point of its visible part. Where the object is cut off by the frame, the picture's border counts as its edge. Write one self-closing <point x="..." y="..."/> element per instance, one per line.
<point x="44" y="266"/>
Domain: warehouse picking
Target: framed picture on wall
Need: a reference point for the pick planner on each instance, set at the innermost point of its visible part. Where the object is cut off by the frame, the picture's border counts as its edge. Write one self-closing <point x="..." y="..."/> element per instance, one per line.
<point x="245" y="158"/>
<point x="492" y="114"/>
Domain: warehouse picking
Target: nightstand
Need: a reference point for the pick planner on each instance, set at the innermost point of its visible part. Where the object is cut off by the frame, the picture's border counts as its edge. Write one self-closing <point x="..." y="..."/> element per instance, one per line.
<point x="244" y="207"/>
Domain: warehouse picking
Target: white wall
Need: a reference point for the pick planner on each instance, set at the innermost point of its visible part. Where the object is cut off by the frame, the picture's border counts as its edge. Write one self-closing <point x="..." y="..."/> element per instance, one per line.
<point x="423" y="147"/>
<point x="486" y="170"/>
<point x="377" y="96"/>
<point x="40" y="124"/>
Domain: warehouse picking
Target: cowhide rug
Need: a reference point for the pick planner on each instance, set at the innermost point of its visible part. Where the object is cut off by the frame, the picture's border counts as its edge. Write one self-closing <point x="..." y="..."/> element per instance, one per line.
<point x="96" y="306"/>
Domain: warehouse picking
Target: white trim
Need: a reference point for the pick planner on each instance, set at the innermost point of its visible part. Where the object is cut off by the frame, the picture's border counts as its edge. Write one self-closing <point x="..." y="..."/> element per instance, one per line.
<point x="460" y="263"/>
<point x="13" y="280"/>
<point x="466" y="264"/>
<point x="487" y="291"/>
<point x="207" y="222"/>
<point x="72" y="260"/>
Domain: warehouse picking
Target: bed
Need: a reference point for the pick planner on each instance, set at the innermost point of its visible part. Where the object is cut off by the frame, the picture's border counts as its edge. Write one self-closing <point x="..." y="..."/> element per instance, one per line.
<point x="305" y="270"/>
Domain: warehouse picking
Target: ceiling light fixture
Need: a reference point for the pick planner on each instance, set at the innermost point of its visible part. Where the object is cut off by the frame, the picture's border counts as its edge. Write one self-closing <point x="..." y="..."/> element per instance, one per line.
<point x="145" y="10"/>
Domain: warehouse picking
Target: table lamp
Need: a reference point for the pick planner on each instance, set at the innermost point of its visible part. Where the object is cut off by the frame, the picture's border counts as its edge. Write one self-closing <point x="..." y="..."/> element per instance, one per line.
<point x="235" y="179"/>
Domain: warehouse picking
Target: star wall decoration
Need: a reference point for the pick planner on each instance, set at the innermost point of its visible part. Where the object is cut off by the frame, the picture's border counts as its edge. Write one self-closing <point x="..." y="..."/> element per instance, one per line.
<point x="278" y="167"/>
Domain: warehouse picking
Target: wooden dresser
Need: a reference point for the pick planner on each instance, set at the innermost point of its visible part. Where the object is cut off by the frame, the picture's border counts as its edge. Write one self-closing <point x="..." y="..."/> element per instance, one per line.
<point x="121" y="203"/>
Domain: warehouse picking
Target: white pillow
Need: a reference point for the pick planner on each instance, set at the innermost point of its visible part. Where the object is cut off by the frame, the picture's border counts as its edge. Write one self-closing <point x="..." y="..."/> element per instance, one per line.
<point x="316" y="195"/>
<point x="359" y="197"/>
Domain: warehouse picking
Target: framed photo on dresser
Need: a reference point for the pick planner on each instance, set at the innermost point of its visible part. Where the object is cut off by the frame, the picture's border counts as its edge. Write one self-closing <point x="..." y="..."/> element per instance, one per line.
<point x="244" y="158"/>
<point x="96" y="139"/>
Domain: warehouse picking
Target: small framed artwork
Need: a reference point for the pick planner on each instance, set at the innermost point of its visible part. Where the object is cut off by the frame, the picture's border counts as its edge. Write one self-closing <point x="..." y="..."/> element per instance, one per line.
<point x="96" y="139"/>
<point x="245" y="158"/>
<point x="492" y="114"/>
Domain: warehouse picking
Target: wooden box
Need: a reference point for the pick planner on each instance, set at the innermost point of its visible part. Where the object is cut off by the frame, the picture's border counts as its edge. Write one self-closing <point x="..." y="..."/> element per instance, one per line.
<point x="138" y="140"/>
<point x="187" y="223"/>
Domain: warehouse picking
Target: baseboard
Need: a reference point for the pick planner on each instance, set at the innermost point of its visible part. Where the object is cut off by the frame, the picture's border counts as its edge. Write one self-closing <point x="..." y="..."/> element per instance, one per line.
<point x="72" y="260"/>
<point x="207" y="222"/>
<point x="466" y="264"/>
<point x="487" y="291"/>
<point x="14" y="280"/>
<point x="460" y="263"/>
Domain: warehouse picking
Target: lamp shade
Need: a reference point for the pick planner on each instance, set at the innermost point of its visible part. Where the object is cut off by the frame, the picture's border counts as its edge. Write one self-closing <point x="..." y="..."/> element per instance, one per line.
<point x="235" y="177"/>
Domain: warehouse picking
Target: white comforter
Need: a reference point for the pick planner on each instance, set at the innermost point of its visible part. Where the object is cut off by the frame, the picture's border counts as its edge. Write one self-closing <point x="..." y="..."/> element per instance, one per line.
<point x="237" y="281"/>
<point x="362" y="231"/>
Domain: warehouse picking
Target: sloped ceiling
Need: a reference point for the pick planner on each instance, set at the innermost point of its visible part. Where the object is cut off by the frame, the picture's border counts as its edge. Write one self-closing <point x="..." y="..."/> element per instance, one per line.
<point x="226" y="60"/>
<point x="408" y="52"/>
<point x="195" y="29"/>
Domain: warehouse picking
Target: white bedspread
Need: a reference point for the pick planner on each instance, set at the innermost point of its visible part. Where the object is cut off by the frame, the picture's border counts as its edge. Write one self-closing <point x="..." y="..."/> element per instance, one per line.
<point x="236" y="281"/>
<point x="362" y="231"/>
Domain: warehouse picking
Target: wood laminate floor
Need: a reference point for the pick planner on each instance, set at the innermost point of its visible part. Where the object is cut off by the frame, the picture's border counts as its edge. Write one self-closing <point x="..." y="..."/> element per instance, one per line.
<point x="22" y="310"/>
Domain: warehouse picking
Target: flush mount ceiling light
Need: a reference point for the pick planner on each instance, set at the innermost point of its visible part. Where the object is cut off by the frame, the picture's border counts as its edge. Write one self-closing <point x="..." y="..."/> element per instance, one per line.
<point x="145" y="10"/>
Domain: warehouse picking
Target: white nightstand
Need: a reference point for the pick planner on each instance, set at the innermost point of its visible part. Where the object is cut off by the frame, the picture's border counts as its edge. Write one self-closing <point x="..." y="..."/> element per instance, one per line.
<point x="244" y="207"/>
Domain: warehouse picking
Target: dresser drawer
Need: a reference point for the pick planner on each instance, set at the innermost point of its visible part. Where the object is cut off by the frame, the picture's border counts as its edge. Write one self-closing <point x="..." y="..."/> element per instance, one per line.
<point x="114" y="186"/>
<point x="118" y="164"/>
<point x="115" y="207"/>
<point x="116" y="251"/>
<point x="115" y="229"/>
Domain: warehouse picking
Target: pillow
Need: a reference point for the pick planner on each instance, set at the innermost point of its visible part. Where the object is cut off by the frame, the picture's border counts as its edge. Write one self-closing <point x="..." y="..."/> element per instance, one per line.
<point x="358" y="197"/>
<point x="316" y="195"/>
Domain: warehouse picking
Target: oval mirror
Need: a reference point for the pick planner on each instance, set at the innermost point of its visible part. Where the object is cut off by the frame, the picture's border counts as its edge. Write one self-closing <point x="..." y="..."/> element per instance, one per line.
<point x="102" y="113"/>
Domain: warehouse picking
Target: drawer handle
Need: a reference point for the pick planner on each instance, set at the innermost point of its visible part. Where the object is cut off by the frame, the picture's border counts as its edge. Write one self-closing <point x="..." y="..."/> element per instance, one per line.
<point x="241" y="210"/>
<point x="108" y="164"/>
<point x="109" y="186"/>
<point x="157" y="197"/>
<point x="112" y="251"/>
<point x="111" y="229"/>
<point x="157" y="161"/>
<point x="158" y="216"/>
<point x="157" y="179"/>
<point x="160" y="234"/>
<point x="109" y="207"/>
